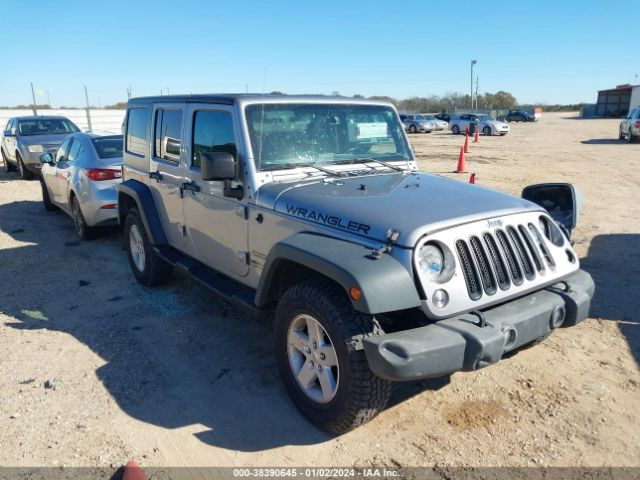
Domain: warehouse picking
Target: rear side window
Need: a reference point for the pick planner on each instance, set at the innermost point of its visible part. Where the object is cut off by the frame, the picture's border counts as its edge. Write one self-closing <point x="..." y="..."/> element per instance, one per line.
<point x="61" y="154"/>
<point x="137" y="124"/>
<point x="74" y="151"/>
<point x="212" y="132"/>
<point x="167" y="134"/>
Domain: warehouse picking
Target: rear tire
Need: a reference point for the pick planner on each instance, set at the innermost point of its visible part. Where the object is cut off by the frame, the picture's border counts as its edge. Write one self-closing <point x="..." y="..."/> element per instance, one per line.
<point x="455" y="130"/>
<point x="48" y="205"/>
<point x="630" y="137"/>
<point x="337" y="392"/>
<point x="620" y="134"/>
<point x="24" y="173"/>
<point x="148" y="268"/>
<point x="84" y="231"/>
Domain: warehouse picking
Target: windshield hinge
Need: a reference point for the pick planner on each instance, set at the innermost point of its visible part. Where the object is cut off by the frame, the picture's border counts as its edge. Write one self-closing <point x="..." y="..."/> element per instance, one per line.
<point x="243" y="212"/>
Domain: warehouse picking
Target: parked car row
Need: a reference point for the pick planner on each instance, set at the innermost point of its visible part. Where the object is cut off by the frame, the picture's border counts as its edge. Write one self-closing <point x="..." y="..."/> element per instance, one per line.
<point x="459" y="123"/>
<point x="481" y="122"/>
<point x="77" y="171"/>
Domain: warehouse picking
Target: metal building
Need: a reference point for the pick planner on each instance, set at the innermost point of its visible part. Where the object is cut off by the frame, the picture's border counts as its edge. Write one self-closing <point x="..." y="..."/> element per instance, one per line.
<point x="617" y="102"/>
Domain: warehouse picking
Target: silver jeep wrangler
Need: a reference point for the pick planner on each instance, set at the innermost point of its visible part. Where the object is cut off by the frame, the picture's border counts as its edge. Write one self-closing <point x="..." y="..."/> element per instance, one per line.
<point x="312" y="209"/>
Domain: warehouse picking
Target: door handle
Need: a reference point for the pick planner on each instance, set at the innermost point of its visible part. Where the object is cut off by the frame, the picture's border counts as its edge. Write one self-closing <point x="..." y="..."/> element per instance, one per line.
<point x="157" y="176"/>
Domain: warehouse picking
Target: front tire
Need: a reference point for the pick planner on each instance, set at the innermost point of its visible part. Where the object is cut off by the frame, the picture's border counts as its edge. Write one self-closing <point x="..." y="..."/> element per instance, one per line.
<point x="486" y="131"/>
<point x="412" y="129"/>
<point x="7" y="166"/>
<point x="148" y="268"/>
<point x="630" y="137"/>
<point x="24" y="173"/>
<point x="327" y="378"/>
<point x="46" y="199"/>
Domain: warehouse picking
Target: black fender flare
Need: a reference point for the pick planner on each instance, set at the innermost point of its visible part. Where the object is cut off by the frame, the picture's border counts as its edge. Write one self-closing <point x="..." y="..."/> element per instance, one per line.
<point x="142" y="197"/>
<point x="385" y="283"/>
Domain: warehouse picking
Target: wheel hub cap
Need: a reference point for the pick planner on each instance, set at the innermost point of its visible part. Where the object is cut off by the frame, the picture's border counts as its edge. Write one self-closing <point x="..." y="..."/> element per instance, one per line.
<point x="313" y="359"/>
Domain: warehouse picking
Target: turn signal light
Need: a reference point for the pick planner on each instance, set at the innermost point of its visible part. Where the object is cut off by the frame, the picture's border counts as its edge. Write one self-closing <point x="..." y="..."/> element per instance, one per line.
<point x="100" y="174"/>
<point x="355" y="293"/>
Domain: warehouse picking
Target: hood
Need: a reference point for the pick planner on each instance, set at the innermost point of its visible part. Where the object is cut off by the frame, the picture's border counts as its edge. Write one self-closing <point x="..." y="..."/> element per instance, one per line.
<point x="43" y="139"/>
<point x="412" y="204"/>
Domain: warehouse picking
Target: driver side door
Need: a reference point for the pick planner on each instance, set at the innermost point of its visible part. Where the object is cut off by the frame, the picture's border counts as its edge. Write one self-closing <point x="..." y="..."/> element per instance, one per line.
<point x="51" y="173"/>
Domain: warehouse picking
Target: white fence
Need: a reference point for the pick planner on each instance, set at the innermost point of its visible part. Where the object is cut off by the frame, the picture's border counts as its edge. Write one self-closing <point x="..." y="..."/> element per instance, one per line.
<point x="102" y="121"/>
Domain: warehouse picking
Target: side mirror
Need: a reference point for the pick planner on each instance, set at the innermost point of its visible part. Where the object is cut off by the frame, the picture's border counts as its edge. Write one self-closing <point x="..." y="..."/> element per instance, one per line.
<point x="217" y="166"/>
<point x="8" y="133"/>
<point x="47" y="158"/>
<point x="561" y="200"/>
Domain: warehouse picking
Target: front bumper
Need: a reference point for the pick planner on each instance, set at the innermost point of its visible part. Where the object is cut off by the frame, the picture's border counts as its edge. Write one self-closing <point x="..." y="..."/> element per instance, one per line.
<point x="462" y="344"/>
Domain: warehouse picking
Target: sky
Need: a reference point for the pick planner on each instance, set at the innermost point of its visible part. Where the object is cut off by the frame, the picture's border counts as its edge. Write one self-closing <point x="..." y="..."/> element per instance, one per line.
<point x="541" y="51"/>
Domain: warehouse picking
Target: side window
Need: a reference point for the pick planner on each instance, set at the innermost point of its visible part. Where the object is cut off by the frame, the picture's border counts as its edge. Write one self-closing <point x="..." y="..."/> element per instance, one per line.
<point x="167" y="134"/>
<point x="212" y="132"/>
<point x="61" y="154"/>
<point x="74" y="151"/>
<point x="136" y="138"/>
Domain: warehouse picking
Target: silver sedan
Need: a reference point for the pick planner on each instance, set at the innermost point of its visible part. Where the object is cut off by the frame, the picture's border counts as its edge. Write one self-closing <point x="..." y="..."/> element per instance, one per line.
<point x="80" y="179"/>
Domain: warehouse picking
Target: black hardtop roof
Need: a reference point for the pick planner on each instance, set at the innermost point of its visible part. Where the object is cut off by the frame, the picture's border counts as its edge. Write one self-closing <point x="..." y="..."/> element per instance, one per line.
<point x="232" y="98"/>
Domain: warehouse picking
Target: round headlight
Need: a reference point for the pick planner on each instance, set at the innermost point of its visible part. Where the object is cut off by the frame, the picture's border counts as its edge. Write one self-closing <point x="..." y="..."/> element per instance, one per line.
<point x="431" y="261"/>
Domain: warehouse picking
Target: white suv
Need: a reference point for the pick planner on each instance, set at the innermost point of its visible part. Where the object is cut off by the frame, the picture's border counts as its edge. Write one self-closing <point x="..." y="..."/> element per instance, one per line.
<point x="630" y="126"/>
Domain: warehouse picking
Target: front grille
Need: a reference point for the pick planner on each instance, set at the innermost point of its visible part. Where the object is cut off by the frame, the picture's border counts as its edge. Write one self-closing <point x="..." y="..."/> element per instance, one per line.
<point x="469" y="270"/>
<point x="502" y="258"/>
<point x="525" y="261"/>
<point x="486" y="273"/>
<point x="50" y="147"/>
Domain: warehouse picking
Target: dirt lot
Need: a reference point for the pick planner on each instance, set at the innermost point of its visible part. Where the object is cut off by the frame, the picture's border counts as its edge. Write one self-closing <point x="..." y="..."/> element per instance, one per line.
<point x="172" y="376"/>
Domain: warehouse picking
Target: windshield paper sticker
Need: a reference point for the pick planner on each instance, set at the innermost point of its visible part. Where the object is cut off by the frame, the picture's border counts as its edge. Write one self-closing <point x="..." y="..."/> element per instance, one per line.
<point x="330" y="220"/>
<point x="371" y="130"/>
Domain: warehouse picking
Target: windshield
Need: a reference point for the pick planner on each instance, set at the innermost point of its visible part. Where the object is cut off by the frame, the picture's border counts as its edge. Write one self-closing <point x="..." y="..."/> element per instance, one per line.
<point x="46" y="126"/>
<point x="108" y="147"/>
<point x="287" y="135"/>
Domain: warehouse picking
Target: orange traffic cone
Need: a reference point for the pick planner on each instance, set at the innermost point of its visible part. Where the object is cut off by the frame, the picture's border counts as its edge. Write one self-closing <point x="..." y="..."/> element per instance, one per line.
<point x="461" y="166"/>
<point x="466" y="143"/>
<point x="472" y="178"/>
<point x="477" y="138"/>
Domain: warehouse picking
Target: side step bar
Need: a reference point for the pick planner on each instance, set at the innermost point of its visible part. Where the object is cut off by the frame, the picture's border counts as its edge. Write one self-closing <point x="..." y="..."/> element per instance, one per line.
<point x="237" y="294"/>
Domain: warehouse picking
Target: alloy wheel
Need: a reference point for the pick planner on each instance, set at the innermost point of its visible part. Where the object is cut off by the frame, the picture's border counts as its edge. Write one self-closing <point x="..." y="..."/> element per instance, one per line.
<point x="313" y="359"/>
<point x="136" y="248"/>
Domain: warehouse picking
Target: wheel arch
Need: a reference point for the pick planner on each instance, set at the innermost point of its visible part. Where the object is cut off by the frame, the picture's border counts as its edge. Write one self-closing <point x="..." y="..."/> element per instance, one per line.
<point x="134" y="194"/>
<point x="384" y="283"/>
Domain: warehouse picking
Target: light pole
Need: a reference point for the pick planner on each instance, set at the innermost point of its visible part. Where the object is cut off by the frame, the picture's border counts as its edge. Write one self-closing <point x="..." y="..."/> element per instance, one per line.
<point x="473" y="62"/>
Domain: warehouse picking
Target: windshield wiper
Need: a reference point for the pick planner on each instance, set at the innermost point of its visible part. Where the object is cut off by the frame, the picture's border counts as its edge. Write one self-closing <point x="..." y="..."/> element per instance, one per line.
<point x="288" y="166"/>
<point x="379" y="162"/>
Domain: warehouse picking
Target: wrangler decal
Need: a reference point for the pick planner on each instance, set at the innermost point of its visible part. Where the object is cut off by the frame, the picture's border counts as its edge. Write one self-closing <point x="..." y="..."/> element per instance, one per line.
<point x="327" y="219"/>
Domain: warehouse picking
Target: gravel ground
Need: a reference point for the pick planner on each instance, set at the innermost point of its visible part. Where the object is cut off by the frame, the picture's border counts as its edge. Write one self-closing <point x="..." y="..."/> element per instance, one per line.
<point x="96" y="369"/>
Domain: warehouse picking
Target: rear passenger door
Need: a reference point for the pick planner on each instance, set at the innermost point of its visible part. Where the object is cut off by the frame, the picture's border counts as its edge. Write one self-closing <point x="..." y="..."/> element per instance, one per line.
<point x="216" y="224"/>
<point x="167" y="169"/>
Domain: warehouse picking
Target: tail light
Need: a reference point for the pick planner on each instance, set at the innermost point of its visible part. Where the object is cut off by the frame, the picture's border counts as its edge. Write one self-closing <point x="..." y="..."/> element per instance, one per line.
<point x="99" y="174"/>
<point x="637" y="123"/>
